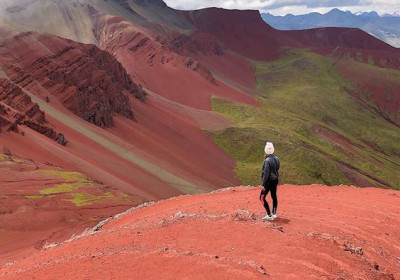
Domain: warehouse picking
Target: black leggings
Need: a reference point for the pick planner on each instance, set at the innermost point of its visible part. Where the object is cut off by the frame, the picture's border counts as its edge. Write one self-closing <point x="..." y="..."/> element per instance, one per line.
<point x="271" y="186"/>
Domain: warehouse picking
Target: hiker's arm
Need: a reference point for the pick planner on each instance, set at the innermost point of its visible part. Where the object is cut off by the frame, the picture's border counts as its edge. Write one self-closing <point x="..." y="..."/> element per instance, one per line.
<point x="262" y="173"/>
<point x="279" y="165"/>
<point x="266" y="172"/>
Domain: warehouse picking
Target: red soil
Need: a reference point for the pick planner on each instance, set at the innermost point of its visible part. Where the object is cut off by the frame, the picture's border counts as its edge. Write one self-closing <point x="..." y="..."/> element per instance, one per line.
<point x="321" y="233"/>
<point x="29" y="220"/>
<point x="172" y="140"/>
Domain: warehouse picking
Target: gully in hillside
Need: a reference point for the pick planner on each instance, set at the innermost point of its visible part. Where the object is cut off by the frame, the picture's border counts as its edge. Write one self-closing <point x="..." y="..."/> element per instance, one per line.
<point x="270" y="177"/>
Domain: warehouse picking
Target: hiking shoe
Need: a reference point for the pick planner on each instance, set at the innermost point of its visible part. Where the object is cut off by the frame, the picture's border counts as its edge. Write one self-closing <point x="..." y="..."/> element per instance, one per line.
<point x="274" y="216"/>
<point x="267" y="218"/>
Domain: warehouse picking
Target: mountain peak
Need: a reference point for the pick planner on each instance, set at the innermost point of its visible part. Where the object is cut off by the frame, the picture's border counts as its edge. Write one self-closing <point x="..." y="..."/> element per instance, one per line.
<point x="369" y="14"/>
<point x="335" y="11"/>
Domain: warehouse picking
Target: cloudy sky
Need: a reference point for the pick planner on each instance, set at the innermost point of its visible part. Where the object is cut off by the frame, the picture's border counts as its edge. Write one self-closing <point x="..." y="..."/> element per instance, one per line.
<point x="283" y="7"/>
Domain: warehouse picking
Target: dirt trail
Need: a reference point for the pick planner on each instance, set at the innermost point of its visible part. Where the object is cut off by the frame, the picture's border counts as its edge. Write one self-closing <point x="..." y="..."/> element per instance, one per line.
<point x="208" y="120"/>
<point x="234" y="85"/>
<point x="2" y="74"/>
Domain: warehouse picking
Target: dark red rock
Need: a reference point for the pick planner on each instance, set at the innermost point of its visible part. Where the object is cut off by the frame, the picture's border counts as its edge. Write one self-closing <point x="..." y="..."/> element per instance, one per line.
<point x="88" y="81"/>
<point x="17" y="108"/>
<point x="196" y="42"/>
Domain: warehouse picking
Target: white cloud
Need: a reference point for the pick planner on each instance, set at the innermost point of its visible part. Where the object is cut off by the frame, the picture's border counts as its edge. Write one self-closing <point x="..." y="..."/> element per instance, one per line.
<point x="282" y="7"/>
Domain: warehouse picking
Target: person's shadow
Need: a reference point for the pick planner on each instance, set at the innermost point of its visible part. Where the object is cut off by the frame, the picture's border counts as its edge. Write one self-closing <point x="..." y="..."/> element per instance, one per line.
<point x="281" y="221"/>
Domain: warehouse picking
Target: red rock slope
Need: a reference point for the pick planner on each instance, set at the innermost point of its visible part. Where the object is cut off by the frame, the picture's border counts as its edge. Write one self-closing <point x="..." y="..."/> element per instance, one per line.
<point x="161" y="66"/>
<point x="321" y="233"/>
<point x="42" y="203"/>
<point x="60" y="74"/>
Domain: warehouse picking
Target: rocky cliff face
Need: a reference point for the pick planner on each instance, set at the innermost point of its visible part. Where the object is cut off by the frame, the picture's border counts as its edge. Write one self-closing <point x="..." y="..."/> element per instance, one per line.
<point x="17" y="108"/>
<point x="197" y="42"/>
<point x="87" y="80"/>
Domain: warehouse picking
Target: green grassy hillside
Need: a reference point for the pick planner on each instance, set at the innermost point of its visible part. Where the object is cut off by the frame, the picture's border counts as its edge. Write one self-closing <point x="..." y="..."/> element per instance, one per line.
<point x="321" y="133"/>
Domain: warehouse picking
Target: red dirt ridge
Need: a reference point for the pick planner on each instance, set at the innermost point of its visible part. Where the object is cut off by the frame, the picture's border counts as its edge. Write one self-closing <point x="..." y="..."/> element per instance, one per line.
<point x="87" y="80"/>
<point x="247" y="34"/>
<point x="243" y="31"/>
<point x="320" y="233"/>
<point x="339" y="37"/>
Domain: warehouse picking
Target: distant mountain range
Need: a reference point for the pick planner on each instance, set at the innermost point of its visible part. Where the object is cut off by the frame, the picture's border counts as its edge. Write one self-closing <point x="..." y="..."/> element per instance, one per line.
<point x="386" y="27"/>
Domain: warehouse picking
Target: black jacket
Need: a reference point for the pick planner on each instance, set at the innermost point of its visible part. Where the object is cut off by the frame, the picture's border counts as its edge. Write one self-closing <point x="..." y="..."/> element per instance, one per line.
<point x="270" y="170"/>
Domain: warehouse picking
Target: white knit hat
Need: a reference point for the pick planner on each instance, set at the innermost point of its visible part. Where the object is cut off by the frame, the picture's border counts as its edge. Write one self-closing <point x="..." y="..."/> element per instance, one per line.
<point x="269" y="148"/>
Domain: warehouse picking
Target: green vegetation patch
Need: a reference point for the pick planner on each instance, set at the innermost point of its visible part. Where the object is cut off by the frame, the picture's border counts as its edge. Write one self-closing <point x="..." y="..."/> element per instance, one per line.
<point x="73" y="181"/>
<point x="61" y="188"/>
<point x="67" y="176"/>
<point x="245" y="141"/>
<point x="75" y="184"/>
<point x="34" y="196"/>
<point x="4" y="157"/>
<point x="8" y="157"/>
<point x="79" y="189"/>
<point x="304" y="99"/>
<point x="83" y="199"/>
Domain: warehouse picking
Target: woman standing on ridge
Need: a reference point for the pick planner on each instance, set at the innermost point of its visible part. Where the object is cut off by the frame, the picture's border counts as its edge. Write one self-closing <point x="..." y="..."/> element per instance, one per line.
<point x="270" y="177"/>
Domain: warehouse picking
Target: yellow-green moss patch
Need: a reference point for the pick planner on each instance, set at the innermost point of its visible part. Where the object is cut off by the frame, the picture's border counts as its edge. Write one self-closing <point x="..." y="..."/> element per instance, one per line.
<point x="67" y="176"/>
<point x="33" y="196"/>
<point x="82" y="199"/>
<point x="4" y="157"/>
<point x="61" y="188"/>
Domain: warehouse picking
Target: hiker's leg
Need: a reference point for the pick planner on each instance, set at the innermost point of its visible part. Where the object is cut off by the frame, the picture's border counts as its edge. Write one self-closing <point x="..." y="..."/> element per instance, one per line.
<point x="274" y="187"/>
<point x="263" y="200"/>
